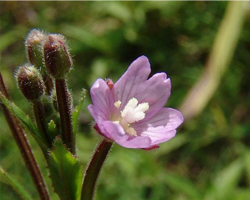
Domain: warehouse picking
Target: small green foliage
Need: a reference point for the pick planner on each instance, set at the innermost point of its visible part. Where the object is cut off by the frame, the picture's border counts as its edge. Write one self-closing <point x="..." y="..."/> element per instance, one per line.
<point x="52" y="129"/>
<point x="65" y="172"/>
<point x="16" y="186"/>
<point x="40" y="138"/>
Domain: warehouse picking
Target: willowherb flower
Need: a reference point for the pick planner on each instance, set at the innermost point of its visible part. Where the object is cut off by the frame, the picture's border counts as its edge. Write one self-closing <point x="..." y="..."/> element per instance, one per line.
<point x="130" y="112"/>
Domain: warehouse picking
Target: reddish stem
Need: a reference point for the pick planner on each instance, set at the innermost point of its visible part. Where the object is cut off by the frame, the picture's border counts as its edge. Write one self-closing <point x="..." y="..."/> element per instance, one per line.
<point x="64" y="104"/>
<point x="94" y="169"/>
<point x="24" y="147"/>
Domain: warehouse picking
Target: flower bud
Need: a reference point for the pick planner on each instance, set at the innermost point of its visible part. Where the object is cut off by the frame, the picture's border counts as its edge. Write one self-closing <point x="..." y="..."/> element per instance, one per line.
<point x="29" y="82"/>
<point x="33" y="44"/>
<point x="56" y="55"/>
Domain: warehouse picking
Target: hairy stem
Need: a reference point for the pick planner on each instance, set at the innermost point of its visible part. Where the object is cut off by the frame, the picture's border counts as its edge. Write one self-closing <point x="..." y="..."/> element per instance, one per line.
<point x="64" y="104"/>
<point x="94" y="169"/>
<point x="48" y="84"/>
<point x="24" y="147"/>
<point x="41" y="120"/>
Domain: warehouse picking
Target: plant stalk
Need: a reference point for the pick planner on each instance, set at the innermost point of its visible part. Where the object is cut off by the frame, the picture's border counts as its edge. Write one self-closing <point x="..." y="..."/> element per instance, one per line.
<point x="48" y="84"/>
<point x="24" y="147"/>
<point x="64" y="104"/>
<point x="94" y="169"/>
<point x="41" y="120"/>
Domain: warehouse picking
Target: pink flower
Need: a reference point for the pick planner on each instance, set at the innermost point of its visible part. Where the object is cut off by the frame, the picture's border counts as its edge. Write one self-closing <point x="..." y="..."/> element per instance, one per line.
<point x="130" y="112"/>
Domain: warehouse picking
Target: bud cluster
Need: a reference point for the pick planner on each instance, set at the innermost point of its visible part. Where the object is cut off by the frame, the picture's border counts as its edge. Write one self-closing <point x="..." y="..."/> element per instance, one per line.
<point x="48" y="56"/>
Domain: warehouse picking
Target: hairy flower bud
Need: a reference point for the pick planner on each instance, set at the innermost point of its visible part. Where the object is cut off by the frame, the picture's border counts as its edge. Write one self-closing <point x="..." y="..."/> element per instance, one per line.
<point x="29" y="82"/>
<point x="33" y="44"/>
<point x="56" y="55"/>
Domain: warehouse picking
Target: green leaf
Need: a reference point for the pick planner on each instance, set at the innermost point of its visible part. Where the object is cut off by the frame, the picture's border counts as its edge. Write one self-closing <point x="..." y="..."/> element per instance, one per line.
<point x="17" y="187"/>
<point x="65" y="172"/>
<point x="77" y="110"/>
<point x="26" y="121"/>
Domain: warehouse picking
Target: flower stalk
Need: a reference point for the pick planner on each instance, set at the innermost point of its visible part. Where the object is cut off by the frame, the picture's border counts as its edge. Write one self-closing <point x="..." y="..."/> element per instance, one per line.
<point x="41" y="122"/>
<point x="32" y="87"/>
<point x="94" y="169"/>
<point x="24" y="147"/>
<point x="64" y="104"/>
<point x="48" y="84"/>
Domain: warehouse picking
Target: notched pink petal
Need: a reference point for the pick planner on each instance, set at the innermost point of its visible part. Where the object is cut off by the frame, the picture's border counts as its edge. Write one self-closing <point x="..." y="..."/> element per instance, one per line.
<point x="115" y="131"/>
<point x="161" y="127"/>
<point x="126" y="87"/>
<point x="138" y="142"/>
<point x="167" y="118"/>
<point x="91" y="109"/>
<point x="102" y="99"/>
<point x="135" y="84"/>
<point x="155" y="92"/>
<point x="158" y="138"/>
<point x="102" y="131"/>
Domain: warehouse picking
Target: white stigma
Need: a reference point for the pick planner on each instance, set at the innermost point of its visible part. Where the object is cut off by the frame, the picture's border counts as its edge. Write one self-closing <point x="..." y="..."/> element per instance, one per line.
<point x="132" y="112"/>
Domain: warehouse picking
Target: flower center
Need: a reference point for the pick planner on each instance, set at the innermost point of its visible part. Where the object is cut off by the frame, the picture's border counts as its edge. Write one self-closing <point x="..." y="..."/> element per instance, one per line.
<point x="132" y="112"/>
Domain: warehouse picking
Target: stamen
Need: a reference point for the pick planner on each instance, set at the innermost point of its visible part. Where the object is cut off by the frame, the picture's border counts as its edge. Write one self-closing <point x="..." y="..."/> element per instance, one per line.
<point x="117" y="104"/>
<point x="132" y="112"/>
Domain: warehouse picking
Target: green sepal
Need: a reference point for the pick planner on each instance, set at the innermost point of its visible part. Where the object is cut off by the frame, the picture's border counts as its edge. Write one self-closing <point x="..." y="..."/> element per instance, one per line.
<point x="77" y="110"/>
<point x="17" y="187"/>
<point x="65" y="172"/>
<point x="26" y="121"/>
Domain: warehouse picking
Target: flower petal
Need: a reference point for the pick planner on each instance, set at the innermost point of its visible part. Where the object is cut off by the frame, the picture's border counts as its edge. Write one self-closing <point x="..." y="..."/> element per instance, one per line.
<point x="158" y="138"/>
<point x="120" y="137"/>
<point x="155" y="91"/>
<point x="134" y="84"/>
<point x="91" y="109"/>
<point x="126" y="87"/>
<point x="103" y="101"/>
<point x="99" y="118"/>
<point x="161" y="127"/>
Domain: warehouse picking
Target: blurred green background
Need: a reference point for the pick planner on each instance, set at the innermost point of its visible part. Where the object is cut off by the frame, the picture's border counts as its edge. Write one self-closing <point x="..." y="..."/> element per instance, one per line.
<point x="210" y="156"/>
